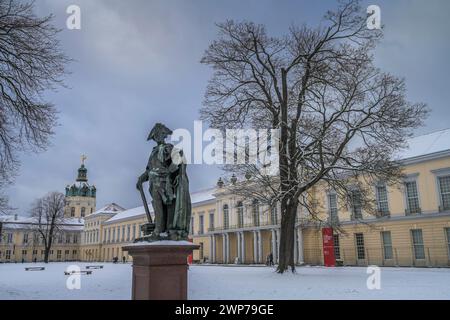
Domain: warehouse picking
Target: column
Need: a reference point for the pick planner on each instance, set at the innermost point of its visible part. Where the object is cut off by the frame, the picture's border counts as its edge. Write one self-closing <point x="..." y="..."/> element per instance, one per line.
<point x="274" y="245"/>
<point x="224" y="248"/>
<point x="228" y="247"/>
<point x="243" y="246"/>
<point x="277" y="245"/>
<point x="259" y="246"/>
<point x="295" y="247"/>
<point x="211" y="248"/>
<point x="239" y="247"/>
<point x="300" y="259"/>
<point x="214" y="257"/>
<point x="255" y="247"/>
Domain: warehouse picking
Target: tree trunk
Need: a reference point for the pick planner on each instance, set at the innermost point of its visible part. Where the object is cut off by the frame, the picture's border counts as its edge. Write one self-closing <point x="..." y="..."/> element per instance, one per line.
<point x="46" y="255"/>
<point x="287" y="237"/>
<point x="47" y="250"/>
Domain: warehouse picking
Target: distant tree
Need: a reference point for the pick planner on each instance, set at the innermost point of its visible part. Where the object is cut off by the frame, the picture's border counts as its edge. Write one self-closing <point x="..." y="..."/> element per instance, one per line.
<point x="31" y="62"/>
<point x="340" y="118"/>
<point x="48" y="212"/>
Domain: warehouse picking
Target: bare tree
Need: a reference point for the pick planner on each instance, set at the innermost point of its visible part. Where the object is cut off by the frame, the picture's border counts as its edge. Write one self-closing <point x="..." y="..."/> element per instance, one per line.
<point x="31" y="62"/>
<point x="48" y="212"/>
<point x="341" y="119"/>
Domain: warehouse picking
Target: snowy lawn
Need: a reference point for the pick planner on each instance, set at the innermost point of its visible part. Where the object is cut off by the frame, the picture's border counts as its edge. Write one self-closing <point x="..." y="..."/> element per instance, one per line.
<point x="220" y="282"/>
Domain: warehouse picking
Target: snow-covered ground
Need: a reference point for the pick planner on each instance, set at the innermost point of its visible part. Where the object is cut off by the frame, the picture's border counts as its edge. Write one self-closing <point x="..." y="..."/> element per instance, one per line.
<point x="221" y="282"/>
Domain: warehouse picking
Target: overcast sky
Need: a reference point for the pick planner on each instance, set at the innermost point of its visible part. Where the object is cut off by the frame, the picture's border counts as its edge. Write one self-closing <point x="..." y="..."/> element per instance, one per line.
<point x="137" y="63"/>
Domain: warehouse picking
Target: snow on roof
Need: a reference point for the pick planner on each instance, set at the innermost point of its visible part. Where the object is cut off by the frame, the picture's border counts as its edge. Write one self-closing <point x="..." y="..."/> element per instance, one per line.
<point x="427" y="144"/>
<point x="130" y="213"/>
<point x="24" y="222"/>
<point x="197" y="198"/>
<point x="111" y="208"/>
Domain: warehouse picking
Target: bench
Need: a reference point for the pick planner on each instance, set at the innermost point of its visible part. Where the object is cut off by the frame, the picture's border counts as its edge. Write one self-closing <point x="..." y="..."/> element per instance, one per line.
<point x="80" y="272"/>
<point x="94" y="267"/>
<point x="35" y="269"/>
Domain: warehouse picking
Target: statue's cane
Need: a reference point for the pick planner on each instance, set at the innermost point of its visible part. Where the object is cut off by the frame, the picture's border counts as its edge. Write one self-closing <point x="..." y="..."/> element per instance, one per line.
<point x="150" y="226"/>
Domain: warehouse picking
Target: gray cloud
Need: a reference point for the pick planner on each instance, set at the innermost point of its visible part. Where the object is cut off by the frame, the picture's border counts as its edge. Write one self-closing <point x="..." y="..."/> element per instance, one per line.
<point x="138" y="63"/>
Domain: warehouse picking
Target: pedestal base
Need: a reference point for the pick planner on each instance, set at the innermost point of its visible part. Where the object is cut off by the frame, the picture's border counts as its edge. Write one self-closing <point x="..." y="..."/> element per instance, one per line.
<point x="160" y="269"/>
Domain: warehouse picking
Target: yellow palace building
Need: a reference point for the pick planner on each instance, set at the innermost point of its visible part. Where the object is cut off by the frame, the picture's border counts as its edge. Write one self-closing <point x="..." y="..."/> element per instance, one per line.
<point x="412" y="227"/>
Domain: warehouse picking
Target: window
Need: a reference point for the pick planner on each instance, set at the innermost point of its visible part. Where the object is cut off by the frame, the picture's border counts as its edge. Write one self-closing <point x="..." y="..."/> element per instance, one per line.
<point x="417" y="239"/>
<point x="83" y="212"/>
<point x="60" y="238"/>
<point x="68" y="238"/>
<point x="412" y="197"/>
<point x="9" y="238"/>
<point x="118" y="234"/>
<point x="123" y="233"/>
<point x="447" y="233"/>
<point x="72" y="212"/>
<point x="25" y="238"/>
<point x="128" y="232"/>
<point x="225" y="217"/>
<point x="274" y="215"/>
<point x="8" y="254"/>
<point x="104" y="236"/>
<point x="382" y="200"/>
<point x="74" y="252"/>
<point x="356" y="202"/>
<point x="240" y="214"/>
<point x="200" y="224"/>
<point x="134" y="231"/>
<point x="109" y="235"/>
<point x="58" y="254"/>
<point x="387" y="245"/>
<point x="337" y="247"/>
<point x="75" y="238"/>
<point x="114" y="235"/>
<point x="255" y="209"/>
<point x="444" y="189"/>
<point x="24" y="253"/>
<point x="332" y="206"/>
<point x="360" y="250"/>
<point x="211" y="221"/>
<point x="35" y="252"/>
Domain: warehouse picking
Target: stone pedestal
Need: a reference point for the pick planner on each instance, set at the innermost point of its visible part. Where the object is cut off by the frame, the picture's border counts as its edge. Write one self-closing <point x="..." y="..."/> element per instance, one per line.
<point x="160" y="269"/>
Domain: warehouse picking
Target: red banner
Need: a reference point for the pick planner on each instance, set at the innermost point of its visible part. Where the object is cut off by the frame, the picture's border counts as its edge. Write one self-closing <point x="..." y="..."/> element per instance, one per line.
<point x="328" y="247"/>
<point x="190" y="257"/>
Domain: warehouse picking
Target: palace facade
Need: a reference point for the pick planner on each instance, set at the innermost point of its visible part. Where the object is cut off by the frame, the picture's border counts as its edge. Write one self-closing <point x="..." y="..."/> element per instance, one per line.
<point x="412" y="227"/>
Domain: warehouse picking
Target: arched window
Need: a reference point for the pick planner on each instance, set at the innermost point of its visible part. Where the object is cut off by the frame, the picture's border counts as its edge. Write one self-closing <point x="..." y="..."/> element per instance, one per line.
<point x="255" y="209"/>
<point x="226" y="221"/>
<point x="72" y="212"/>
<point x="83" y="212"/>
<point x="240" y="214"/>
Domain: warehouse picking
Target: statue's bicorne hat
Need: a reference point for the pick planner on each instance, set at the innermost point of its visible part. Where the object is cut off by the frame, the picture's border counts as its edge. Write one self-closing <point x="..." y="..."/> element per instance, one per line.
<point x="159" y="128"/>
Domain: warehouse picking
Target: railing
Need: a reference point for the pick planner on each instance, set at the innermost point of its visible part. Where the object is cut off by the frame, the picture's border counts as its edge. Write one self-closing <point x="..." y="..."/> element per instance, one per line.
<point x="241" y="226"/>
<point x="382" y="214"/>
<point x="414" y="211"/>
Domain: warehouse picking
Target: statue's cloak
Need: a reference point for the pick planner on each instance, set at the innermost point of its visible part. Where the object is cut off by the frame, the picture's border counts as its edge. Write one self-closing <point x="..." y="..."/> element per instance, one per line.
<point x="183" y="206"/>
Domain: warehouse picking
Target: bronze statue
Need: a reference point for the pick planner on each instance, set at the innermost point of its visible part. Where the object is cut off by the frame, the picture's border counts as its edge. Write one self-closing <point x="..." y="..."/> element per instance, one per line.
<point x="169" y="189"/>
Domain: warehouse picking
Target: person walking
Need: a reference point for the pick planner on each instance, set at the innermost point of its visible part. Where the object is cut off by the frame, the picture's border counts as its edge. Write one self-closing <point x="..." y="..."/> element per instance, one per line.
<point x="271" y="259"/>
